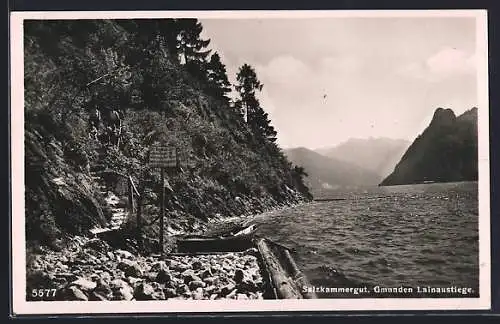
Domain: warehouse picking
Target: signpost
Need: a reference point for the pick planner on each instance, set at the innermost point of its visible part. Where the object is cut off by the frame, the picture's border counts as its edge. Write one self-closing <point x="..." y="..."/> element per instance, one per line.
<point x="163" y="157"/>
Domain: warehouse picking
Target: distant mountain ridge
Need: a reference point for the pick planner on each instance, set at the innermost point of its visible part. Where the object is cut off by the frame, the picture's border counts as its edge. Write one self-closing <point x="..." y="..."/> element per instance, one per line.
<point x="445" y="151"/>
<point x="325" y="172"/>
<point x="379" y="155"/>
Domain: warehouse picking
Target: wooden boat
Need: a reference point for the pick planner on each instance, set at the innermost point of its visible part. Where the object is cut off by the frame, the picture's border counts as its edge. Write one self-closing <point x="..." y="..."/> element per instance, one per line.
<point x="230" y="242"/>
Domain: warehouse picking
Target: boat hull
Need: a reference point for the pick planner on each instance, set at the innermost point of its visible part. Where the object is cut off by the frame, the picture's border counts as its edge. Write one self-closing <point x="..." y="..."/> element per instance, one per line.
<point x="225" y="244"/>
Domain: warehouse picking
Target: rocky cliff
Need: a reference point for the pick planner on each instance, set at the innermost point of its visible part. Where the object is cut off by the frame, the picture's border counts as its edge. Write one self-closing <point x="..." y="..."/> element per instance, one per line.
<point x="446" y="151"/>
<point x="133" y="67"/>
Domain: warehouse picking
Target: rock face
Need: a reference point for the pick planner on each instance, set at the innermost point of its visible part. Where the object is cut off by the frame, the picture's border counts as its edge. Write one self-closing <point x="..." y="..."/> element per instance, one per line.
<point x="446" y="151"/>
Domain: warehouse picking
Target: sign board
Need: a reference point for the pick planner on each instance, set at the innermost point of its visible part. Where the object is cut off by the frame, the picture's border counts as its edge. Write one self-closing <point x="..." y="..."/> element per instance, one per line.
<point x="163" y="156"/>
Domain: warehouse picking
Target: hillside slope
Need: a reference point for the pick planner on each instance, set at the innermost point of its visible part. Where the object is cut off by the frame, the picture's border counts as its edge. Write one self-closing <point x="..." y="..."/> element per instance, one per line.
<point x="325" y="172"/>
<point x="128" y="66"/>
<point x="446" y="151"/>
<point x="379" y="155"/>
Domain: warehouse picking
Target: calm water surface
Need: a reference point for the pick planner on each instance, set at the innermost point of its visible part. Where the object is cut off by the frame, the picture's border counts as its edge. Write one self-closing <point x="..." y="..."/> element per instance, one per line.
<point x="414" y="235"/>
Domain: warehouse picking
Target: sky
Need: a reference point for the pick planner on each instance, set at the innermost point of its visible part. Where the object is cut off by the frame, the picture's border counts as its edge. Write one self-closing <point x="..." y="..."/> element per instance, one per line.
<point x="330" y="79"/>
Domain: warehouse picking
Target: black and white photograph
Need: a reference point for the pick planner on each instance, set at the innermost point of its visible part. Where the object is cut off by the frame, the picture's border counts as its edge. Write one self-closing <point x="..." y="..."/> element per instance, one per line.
<point x="215" y="161"/>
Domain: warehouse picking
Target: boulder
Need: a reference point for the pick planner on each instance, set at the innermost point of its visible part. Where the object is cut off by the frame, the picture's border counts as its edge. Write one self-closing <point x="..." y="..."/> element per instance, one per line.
<point x="206" y="273"/>
<point x="144" y="291"/>
<point x="103" y="289"/>
<point x="124" y="254"/>
<point x="121" y="290"/>
<point x="211" y="280"/>
<point x="197" y="294"/>
<point x="196" y="264"/>
<point x="130" y="268"/>
<point x="182" y="289"/>
<point x="159" y="266"/>
<point x="189" y="275"/>
<point x="133" y="281"/>
<point x="96" y="296"/>
<point x="163" y="276"/>
<point x="242" y="296"/>
<point x="72" y="293"/>
<point x="238" y="276"/>
<point x="170" y="292"/>
<point x="195" y="284"/>
<point x="84" y="284"/>
<point x="227" y="289"/>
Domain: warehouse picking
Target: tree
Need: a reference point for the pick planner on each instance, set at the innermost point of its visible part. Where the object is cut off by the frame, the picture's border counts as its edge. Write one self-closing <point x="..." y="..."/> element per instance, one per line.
<point x="189" y="44"/>
<point x="261" y="124"/>
<point x="247" y="85"/>
<point x="256" y="117"/>
<point x="218" y="82"/>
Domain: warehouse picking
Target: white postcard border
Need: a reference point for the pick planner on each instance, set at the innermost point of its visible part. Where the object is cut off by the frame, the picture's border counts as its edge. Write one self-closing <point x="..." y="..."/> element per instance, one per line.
<point x="21" y="306"/>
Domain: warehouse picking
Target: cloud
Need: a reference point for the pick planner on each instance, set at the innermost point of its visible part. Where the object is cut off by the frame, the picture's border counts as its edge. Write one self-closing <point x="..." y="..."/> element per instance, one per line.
<point x="446" y="63"/>
<point x="284" y="71"/>
<point x="451" y="61"/>
<point x="341" y="64"/>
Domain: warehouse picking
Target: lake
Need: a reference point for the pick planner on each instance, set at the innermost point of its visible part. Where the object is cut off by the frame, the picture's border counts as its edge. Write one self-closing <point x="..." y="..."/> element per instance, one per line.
<point x="414" y="240"/>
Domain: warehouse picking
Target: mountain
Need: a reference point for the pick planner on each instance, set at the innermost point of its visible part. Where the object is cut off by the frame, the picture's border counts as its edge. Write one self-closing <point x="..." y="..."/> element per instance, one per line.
<point x="446" y="151"/>
<point x="326" y="172"/>
<point x="379" y="155"/>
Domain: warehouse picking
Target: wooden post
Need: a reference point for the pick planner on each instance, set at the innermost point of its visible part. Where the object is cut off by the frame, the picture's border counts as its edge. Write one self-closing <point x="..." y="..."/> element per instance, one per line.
<point x="139" y="223"/>
<point x="162" y="211"/>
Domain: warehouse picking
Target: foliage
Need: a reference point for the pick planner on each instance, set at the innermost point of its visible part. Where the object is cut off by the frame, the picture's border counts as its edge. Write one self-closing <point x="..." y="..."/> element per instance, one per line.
<point x="134" y="66"/>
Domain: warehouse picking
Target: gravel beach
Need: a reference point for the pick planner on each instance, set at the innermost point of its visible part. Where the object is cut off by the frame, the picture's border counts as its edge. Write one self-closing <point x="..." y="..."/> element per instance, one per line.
<point x="89" y="269"/>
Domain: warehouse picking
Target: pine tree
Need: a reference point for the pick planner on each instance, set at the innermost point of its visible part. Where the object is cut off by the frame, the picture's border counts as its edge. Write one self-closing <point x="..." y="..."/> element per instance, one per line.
<point x="189" y="44"/>
<point x="218" y="82"/>
<point x="256" y="117"/>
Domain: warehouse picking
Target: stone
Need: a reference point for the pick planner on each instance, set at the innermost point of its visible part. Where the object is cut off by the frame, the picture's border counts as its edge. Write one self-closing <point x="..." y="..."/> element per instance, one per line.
<point x="248" y="285"/>
<point x="189" y="275"/>
<point x="151" y="276"/>
<point x="144" y="291"/>
<point x="121" y="290"/>
<point x="130" y="268"/>
<point x="170" y="292"/>
<point x="84" y="284"/>
<point x="211" y="280"/>
<point x="197" y="294"/>
<point x="242" y="296"/>
<point x="105" y="276"/>
<point x="159" y="266"/>
<point x="227" y="289"/>
<point x="206" y="273"/>
<point x="163" y="276"/>
<point x="133" y="281"/>
<point x="193" y="285"/>
<point x="196" y="264"/>
<point x="103" y="289"/>
<point x="95" y="296"/>
<point x="110" y="255"/>
<point x="232" y="294"/>
<point x="73" y="293"/>
<point x="182" y="289"/>
<point x="238" y="276"/>
<point x="124" y="254"/>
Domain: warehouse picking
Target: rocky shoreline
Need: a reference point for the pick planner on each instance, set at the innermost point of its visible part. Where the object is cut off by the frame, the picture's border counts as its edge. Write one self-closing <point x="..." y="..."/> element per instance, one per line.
<point x="89" y="269"/>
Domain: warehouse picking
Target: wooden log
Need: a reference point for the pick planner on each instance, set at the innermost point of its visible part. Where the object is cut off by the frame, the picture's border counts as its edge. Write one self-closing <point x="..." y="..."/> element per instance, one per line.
<point x="298" y="277"/>
<point x="284" y="284"/>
